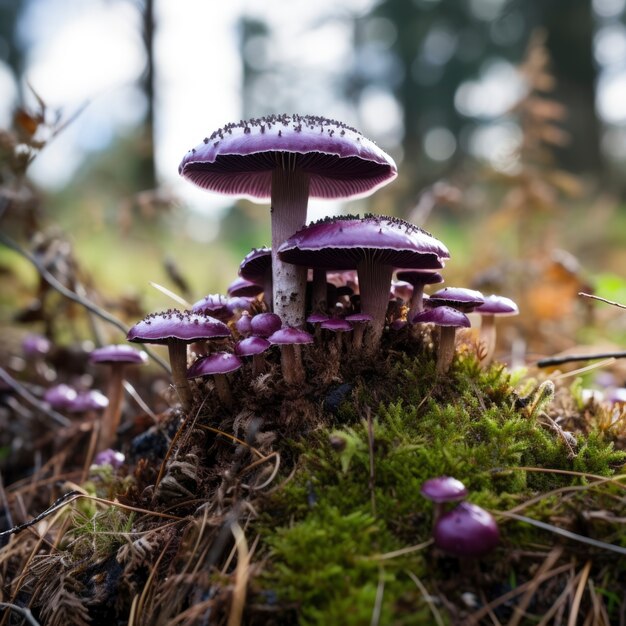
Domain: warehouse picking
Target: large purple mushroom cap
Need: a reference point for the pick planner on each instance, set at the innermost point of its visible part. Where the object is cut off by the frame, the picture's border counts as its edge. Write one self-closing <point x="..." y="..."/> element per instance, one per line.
<point x="118" y="353"/>
<point x="290" y="336"/>
<point x="177" y="325"/>
<point x="465" y="300"/>
<point x="216" y="363"/>
<point x="442" y="316"/>
<point x="341" y="244"/>
<point x="466" y="531"/>
<point x="239" y="159"/>
<point x="443" y="489"/>
<point x="497" y="305"/>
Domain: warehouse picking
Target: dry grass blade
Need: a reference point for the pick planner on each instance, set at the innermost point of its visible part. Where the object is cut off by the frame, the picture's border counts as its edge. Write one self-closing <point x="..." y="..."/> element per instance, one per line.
<point x="242" y="573"/>
<point x="170" y="294"/>
<point x="25" y="613"/>
<point x="378" y="601"/>
<point x="427" y="597"/>
<point x="559" y="603"/>
<point x="403" y="551"/>
<point x="573" y="616"/>
<point x="520" y="608"/>
<point x="611" y="302"/>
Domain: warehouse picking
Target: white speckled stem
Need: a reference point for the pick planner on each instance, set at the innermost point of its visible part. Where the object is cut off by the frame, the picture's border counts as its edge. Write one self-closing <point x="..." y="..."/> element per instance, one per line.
<point x="290" y="195"/>
<point x="374" y="285"/>
<point x="178" y="361"/>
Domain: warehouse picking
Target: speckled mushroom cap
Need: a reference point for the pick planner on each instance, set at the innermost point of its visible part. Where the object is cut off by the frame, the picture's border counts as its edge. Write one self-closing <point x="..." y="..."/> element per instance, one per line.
<point x="255" y="264"/>
<point x="340" y="243"/>
<point x="118" y="353"/>
<point x="442" y="316"/>
<point x="288" y="335"/>
<point x="466" y="531"/>
<point x="460" y="298"/>
<point x="214" y="305"/>
<point x="239" y="158"/>
<point x="173" y="324"/>
<point x="497" y="305"/>
<point x="443" y="489"/>
<point x="216" y="363"/>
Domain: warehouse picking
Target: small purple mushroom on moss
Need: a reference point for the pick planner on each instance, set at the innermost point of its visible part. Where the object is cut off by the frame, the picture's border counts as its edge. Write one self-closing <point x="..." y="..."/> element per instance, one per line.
<point x="290" y="340"/>
<point x="217" y="365"/>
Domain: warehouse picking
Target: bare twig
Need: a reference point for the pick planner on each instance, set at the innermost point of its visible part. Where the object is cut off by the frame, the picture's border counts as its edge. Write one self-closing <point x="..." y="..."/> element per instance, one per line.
<point x="74" y="297"/>
<point x="571" y="358"/>
<point x="611" y="302"/>
<point x="23" y="611"/>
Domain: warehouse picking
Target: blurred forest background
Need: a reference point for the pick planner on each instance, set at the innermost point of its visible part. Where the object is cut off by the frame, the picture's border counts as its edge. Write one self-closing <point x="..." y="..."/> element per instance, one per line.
<point x="506" y="119"/>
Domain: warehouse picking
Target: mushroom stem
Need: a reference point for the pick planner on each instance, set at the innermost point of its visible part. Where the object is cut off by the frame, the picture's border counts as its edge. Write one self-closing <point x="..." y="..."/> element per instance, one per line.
<point x="446" y="348"/>
<point x="417" y="301"/>
<point x="291" y="364"/>
<point x="290" y="195"/>
<point x="112" y="413"/>
<point x="319" y="294"/>
<point x="488" y="337"/>
<point x="222" y="388"/>
<point x="374" y="284"/>
<point x="178" y="360"/>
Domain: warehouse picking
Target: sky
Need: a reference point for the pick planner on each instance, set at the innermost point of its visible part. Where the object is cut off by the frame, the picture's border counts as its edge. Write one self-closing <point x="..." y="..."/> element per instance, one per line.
<point x="90" y="52"/>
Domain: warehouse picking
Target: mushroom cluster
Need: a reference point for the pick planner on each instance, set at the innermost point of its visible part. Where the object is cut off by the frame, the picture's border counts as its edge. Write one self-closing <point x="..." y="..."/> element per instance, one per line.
<point x="329" y="283"/>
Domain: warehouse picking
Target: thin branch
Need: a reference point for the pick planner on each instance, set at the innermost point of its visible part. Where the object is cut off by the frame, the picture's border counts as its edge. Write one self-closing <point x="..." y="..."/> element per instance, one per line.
<point x="74" y="297"/>
<point x="571" y="358"/>
<point x="611" y="302"/>
<point x="23" y="611"/>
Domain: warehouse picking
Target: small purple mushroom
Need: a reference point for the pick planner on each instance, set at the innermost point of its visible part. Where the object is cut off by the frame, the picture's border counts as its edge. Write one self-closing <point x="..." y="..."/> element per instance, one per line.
<point x="111" y="457"/>
<point x="442" y="490"/>
<point x="448" y="320"/>
<point x="60" y="397"/>
<point x="176" y="329"/>
<point x="218" y="365"/>
<point x="215" y="305"/>
<point x="374" y="246"/>
<point x="257" y="268"/>
<point x="466" y="531"/>
<point x="290" y="340"/>
<point x="254" y="347"/>
<point x="288" y="158"/>
<point x="243" y="288"/>
<point x="117" y="357"/>
<point x="492" y="307"/>
<point x="418" y="280"/>
<point x="460" y="298"/>
<point x="359" y="322"/>
<point x="264" y="324"/>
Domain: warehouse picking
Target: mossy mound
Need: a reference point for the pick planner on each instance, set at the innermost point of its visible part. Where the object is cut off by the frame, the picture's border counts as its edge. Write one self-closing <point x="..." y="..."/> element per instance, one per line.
<point x="303" y="506"/>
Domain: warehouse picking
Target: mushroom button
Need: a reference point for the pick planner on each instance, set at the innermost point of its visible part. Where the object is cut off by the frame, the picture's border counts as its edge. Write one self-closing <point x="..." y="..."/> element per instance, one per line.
<point x="288" y="158"/>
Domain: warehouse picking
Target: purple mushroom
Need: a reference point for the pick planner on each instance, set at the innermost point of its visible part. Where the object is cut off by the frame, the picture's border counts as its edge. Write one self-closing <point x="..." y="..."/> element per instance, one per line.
<point x="418" y="280"/>
<point x="466" y="531"/>
<point x="460" y="298"/>
<point x="338" y="326"/>
<point x="257" y="268"/>
<point x="448" y="320"/>
<point x="218" y="365"/>
<point x="359" y="322"/>
<point x="176" y="329"/>
<point x="88" y="402"/>
<point x="254" y="347"/>
<point x="243" y="288"/>
<point x="290" y="340"/>
<point x="117" y="357"/>
<point x="493" y="306"/>
<point x="111" y="457"/>
<point x="287" y="159"/>
<point x="264" y="324"/>
<point x="442" y="490"/>
<point x="215" y="305"/>
<point x="374" y="246"/>
<point x="60" y="397"/>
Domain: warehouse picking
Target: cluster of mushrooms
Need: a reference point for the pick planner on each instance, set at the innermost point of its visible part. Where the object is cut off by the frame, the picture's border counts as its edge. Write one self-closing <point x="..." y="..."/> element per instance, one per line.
<point x="334" y="275"/>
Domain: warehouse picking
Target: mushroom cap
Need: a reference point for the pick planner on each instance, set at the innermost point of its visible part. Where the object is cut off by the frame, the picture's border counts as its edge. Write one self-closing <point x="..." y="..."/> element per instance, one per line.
<point x="242" y="287"/>
<point x="111" y="457"/>
<point x="443" y="489"/>
<point x="256" y="264"/>
<point x="497" y="305"/>
<point x="216" y="363"/>
<point x="264" y="324"/>
<point x="34" y="345"/>
<point x="415" y="277"/>
<point x="460" y="298"/>
<point x="317" y="318"/>
<point x="215" y="305"/>
<point x="288" y="335"/>
<point x="336" y="325"/>
<point x="118" y="353"/>
<point x="442" y="316"/>
<point x="85" y="401"/>
<point x="251" y="346"/>
<point x="358" y="318"/>
<point x="177" y="325"/>
<point x="239" y="158"/>
<point x="341" y="243"/>
<point x="466" y="531"/>
<point x="60" y="396"/>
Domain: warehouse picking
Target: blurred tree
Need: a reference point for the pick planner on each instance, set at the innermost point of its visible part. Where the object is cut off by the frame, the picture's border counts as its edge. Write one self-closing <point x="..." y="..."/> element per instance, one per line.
<point x="253" y="44"/>
<point x="11" y="49"/>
